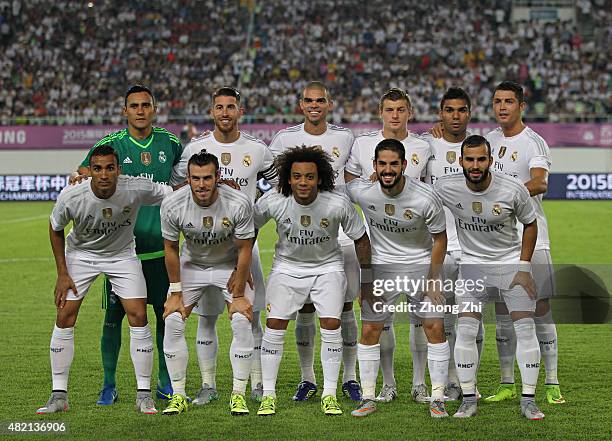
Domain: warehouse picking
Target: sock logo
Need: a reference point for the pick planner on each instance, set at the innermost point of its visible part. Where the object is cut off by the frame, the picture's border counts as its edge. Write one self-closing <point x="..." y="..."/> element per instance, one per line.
<point x="386" y="328"/>
<point x="551" y="342"/>
<point x="204" y="342"/>
<point x="257" y="348"/>
<point x="144" y="350"/>
<point x="269" y="351"/>
<point x="465" y="365"/>
<point x="170" y="356"/>
<point x="334" y="350"/>
<point x="502" y="339"/>
<point x="302" y="343"/>
<point x="532" y="365"/>
<point x="350" y="344"/>
<point x="243" y="356"/>
<point x="57" y="350"/>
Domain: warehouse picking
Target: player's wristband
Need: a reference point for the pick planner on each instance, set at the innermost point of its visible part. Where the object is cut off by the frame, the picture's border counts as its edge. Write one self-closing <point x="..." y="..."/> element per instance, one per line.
<point x="176" y="287"/>
<point x="525" y="266"/>
<point x="366" y="275"/>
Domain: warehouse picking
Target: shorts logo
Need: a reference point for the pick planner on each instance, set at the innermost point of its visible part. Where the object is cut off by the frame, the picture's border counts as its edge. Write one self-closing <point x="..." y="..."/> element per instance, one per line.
<point x="246" y="161"/>
<point x="407" y="214"/>
<point x="107" y="213"/>
<point x="226" y="223"/>
<point x="127" y="209"/>
<point x="226" y="158"/>
<point x="372" y="207"/>
<point x="162" y="157"/>
<point x="324" y="223"/>
<point x="207" y="221"/>
<point x="514" y="156"/>
<point x="335" y="152"/>
<point x="477" y="207"/>
<point x="451" y="156"/>
<point x="390" y="209"/>
<point x="496" y="210"/>
<point x="145" y="158"/>
<point x="305" y="220"/>
<point x="415" y="159"/>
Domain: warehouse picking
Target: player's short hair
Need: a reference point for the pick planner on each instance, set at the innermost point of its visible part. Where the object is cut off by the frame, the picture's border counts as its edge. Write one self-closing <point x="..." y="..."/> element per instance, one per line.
<point x="514" y="87"/>
<point x="394" y="94"/>
<point x="203" y="158"/>
<point x="318" y="86"/>
<point x="137" y="88"/>
<point x="226" y="91"/>
<point x="104" y="150"/>
<point x="392" y="145"/>
<point x="315" y="154"/>
<point x="456" y="93"/>
<point x="475" y="141"/>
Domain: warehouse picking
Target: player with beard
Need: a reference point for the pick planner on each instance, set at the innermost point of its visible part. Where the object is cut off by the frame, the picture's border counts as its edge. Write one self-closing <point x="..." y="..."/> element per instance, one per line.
<point x="316" y="103"/>
<point x="520" y="152"/>
<point x="243" y="160"/>
<point x="495" y="263"/>
<point x="404" y="215"/>
<point x="395" y="111"/>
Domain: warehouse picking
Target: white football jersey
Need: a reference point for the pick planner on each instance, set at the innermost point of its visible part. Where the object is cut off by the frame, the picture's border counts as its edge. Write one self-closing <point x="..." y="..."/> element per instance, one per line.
<point x="400" y="226"/>
<point x="516" y="156"/>
<point x="444" y="160"/>
<point x="486" y="221"/>
<point x="104" y="228"/>
<point x="362" y="155"/>
<point x="336" y="141"/>
<point x="209" y="231"/>
<point x="308" y="234"/>
<point x="240" y="161"/>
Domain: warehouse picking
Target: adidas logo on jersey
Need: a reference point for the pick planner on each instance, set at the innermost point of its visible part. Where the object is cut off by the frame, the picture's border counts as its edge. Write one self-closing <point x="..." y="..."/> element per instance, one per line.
<point x="287" y="221"/>
<point x="127" y="160"/>
<point x="89" y="216"/>
<point x="372" y="207"/>
<point x="189" y="225"/>
<point x="459" y="206"/>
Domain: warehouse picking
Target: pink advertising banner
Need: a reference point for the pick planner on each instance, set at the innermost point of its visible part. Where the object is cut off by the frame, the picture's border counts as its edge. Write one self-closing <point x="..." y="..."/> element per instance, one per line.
<point x="81" y="137"/>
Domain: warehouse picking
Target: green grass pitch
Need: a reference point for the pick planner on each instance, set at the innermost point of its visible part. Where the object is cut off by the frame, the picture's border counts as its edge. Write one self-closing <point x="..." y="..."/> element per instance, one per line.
<point x="578" y="233"/>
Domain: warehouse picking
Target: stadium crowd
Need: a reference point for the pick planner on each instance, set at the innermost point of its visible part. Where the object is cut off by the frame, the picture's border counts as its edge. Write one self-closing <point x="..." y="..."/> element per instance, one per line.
<point x="70" y="62"/>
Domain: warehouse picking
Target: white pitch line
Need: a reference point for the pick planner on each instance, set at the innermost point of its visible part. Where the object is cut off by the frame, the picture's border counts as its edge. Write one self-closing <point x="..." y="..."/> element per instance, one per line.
<point x="26" y="259"/>
<point x="23" y="219"/>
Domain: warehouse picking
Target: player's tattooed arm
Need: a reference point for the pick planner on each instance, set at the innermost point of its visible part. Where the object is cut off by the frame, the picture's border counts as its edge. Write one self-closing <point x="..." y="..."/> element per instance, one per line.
<point x="523" y="277"/>
<point x="438" y="252"/>
<point x="64" y="281"/>
<point x="538" y="183"/>
<point x="240" y="276"/>
<point x="174" y="302"/>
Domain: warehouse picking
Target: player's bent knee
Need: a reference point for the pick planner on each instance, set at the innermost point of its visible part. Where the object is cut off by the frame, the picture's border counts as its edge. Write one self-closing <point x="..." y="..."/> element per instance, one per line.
<point x="370" y="333"/>
<point x="329" y="323"/>
<point x="278" y="324"/>
<point x="434" y="330"/>
<point x="542" y="307"/>
<point x="517" y="315"/>
<point x="501" y="308"/>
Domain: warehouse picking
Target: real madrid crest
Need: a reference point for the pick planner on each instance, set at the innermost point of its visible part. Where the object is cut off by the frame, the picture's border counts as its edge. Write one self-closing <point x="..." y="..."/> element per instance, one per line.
<point x="324" y="223"/>
<point x="451" y="156"/>
<point x="162" y="157"/>
<point x="226" y="222"/>
<point x="127" y="209"/>
<point x="145" y="158"/>
<point x="407" y="214"/>
<point x="415" y="159"/>
<point x="390" y="209"/>
<point x="496" y="210"/>
<point x="246" y="160"/>
<point x="514" y="156"/>
<point x="305" y="220"/>
<point x="477" y="207"/>
<point x="207" y="222"/>
<point x="226" y="158"/>
<point x="502" y="152"/>
<point x="335" y="152"/>
<point x="107" y="213"/>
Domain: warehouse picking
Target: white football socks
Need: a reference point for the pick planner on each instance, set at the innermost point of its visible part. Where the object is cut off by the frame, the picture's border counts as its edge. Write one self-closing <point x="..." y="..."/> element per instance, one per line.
<point x="241" y="352"/>
<point x="61" y="353"/>
<point x="418" y="347"/>
<point x="547" y="338"/>
<point x="305" y="331"/>
<point x="350" y="331"/>
<point x="438" y="355"/>
<point x="141" y="350"/>
<point x="207" y="346"/>
<point x="527" y="354"/>
<point x="369" y="361"/>
<point x="271" y="355"/>
<point x="257" y="331"/>
<point x="450" y="321"/>
<point x="331" y="357"/>
<point x="175" y="352"/>
<point x="387" y="352"/>
<point x="466" y="353"/>
<point x="506" y="346"/>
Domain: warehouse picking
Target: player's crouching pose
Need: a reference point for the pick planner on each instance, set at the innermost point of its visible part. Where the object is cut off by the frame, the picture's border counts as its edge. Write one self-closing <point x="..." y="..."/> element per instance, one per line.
<point x="404" y="215"/>
<point x="217" y="223"/>
<point x="103" y="211"/>
<point x="307" y="264"/>
<point x="486" y="207"/>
